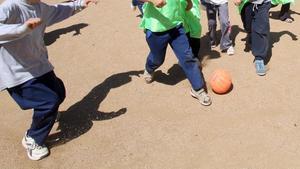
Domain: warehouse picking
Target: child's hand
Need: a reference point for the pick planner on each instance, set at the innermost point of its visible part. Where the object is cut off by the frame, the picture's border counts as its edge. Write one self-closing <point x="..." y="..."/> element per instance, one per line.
<point x="33" y="22"/>
<point x="159" y="3"/>
<point x="189" y="5"/>
<point x="87" y="2"/>
<point x="237" y="2"/>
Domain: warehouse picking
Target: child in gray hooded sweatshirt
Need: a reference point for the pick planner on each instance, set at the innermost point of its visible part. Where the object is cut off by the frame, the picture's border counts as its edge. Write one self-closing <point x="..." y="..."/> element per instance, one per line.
<point x="25" y="71"/>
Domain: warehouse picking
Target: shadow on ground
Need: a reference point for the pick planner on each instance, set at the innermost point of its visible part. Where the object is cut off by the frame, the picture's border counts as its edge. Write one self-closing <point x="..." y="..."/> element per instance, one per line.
<point x="274" y="38"/>
<point x="275" y="14"/>
<point x="78" y="119"/>
<point x="52" y="36"/>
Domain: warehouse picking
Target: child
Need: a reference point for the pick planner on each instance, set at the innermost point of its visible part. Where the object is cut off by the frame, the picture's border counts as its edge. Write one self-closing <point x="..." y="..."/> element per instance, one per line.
<point x="25" y="71"/>
<point x="162" y="23"/>
<point x="285" y="8"/>
<point x="137" y="3"/>
<point x="255" y="17"/>
<point x="221" y="7"/>
<point x="193" y="27"/>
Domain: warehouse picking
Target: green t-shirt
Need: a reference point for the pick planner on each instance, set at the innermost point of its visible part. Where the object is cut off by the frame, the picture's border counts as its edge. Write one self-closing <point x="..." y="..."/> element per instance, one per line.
<point x="274" y="2"/>
<point x="162" y="19"/>
<point x="241" y="6"/>
<point x="192" y="20"/>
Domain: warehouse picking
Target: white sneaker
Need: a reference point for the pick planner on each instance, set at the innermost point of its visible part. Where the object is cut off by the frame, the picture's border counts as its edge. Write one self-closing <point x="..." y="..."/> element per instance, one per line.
<point x="34" y="151"/>
<point x="230" y="51"/>
<point x="202" y="96"/>
<point x="148" y="76"/>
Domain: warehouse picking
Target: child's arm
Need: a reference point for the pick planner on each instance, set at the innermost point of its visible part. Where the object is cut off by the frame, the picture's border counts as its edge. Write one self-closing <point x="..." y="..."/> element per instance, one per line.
<point x="59" y="12"/>
<point x="237" y="2"/>
<point x="157" y="3"/>
<point x="11" y="32"/>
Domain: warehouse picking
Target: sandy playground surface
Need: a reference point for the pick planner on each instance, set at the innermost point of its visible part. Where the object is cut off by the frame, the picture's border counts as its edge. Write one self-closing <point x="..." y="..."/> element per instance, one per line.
<point x="111" y="119"/>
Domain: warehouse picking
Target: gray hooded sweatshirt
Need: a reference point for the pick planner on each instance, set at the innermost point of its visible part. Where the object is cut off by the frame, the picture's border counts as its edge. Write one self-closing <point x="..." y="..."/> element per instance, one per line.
<point x="23" y="54"/>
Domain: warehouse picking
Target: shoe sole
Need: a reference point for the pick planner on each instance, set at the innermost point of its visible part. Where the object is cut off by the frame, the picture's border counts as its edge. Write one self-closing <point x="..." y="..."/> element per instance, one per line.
<point x="261" y="74"/>
<point x="204" y="104"/>
<point x="36" y="158"/>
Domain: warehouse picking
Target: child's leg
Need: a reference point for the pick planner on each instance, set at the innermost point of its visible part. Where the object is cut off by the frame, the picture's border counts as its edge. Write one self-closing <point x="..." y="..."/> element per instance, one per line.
<point x="195" y="45"/>
<point x="225" y="42"/>
<point x="134" y="2"/>
<point x="44" y="95"/>
<point x="284" y="12"/>
<point x="247" y="16"/>
<point x="183" y="52"/>
<point x="212" y="23"/>
<point x="157" y="43"/>
<point x="261" y="31"/>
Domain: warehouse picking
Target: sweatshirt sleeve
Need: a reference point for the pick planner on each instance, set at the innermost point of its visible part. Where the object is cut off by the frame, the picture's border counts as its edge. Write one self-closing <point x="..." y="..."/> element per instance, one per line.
<point x="10" y="32"/>
<point x="59" y="12"/>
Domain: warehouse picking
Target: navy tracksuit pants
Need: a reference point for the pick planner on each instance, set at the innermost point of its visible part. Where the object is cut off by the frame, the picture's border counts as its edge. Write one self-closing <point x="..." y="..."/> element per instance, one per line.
<point x="44" y="95"/>
<point x="256" y="23"/>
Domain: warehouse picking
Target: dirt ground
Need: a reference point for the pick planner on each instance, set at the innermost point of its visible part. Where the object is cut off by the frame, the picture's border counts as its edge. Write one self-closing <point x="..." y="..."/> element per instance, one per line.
<point x="111" y="119"/>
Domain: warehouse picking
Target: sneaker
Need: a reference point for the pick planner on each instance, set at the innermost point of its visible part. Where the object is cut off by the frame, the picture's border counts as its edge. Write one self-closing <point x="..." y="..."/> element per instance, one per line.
<point x="148" y="76"/>
<point x="34" y="151"/>
<point x="230" y="51"/>
<point x="202" y="96"/>
<point x="288" y="20"/>
<point x="260" y="67"/>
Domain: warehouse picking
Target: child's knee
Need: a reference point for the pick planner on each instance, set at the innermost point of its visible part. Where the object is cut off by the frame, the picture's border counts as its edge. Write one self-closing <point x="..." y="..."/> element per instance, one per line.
<point x="52" y="103"/>
<point x="225" y="24"/>
<point x="189" y="57"/>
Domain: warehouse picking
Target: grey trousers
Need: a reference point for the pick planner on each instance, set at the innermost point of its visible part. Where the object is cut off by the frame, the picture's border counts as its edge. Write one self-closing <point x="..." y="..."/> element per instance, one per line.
<point x="222" y="11"/>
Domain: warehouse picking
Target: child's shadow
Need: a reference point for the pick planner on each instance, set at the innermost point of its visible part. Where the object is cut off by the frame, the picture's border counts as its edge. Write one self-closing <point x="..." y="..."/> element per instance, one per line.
<point x="52" y="36"/>
<point x="275" y="38"/>
<point x="78" y="119"/>
<point x="174" y="75"/>
<point x="275" y="14"/>
<point x="294" y="12"/>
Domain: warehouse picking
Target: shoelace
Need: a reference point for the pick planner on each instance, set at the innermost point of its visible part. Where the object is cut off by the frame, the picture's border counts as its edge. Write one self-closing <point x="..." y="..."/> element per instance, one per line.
<point x="255" y="7"/>
<point x="34" y="146"/>
<point x="260" y="66"/>
<point x="204" y="96"/>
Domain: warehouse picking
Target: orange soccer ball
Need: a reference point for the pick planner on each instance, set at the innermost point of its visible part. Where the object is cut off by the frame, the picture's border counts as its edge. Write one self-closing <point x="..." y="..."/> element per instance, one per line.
<point x="220" y="81"/>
